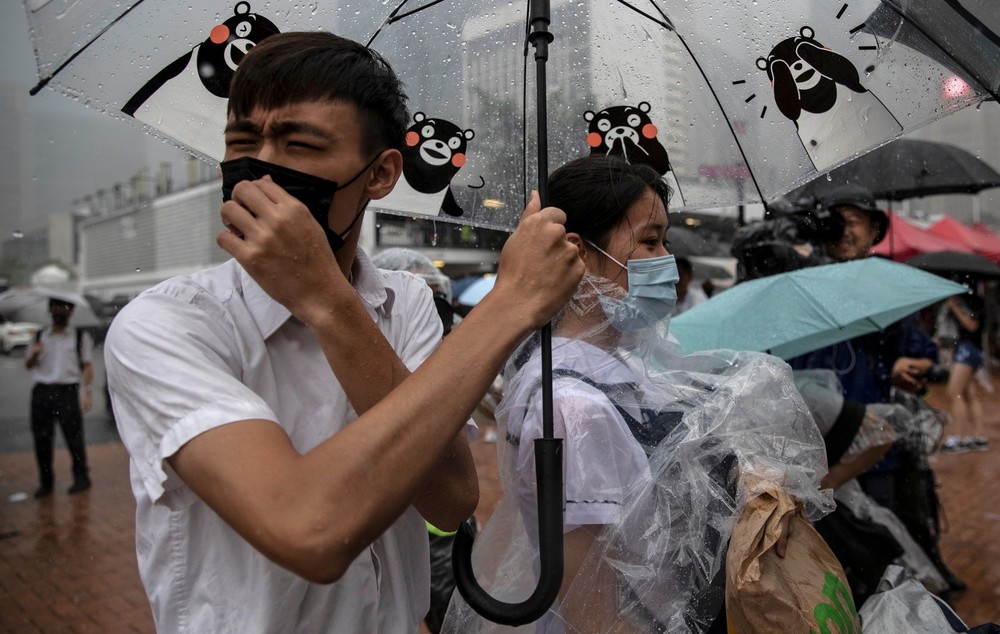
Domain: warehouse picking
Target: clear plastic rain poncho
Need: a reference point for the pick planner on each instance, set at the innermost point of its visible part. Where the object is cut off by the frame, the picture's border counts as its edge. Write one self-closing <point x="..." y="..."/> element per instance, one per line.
<point x="657" y="448"/>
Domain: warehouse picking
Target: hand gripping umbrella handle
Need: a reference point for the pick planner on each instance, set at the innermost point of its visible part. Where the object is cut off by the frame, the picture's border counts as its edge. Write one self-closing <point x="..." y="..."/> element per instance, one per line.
<point x="548" y="472"/>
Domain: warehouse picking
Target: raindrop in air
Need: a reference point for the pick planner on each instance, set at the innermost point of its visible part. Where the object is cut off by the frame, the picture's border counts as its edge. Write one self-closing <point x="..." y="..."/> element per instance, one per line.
<point x="17" y="234"/>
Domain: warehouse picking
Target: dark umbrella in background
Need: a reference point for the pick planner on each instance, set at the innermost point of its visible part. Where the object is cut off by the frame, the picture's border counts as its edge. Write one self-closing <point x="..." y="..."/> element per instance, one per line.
<point x="685" y="242"/>
<point x="908" y="168"/>
<point x="947" y="262"/>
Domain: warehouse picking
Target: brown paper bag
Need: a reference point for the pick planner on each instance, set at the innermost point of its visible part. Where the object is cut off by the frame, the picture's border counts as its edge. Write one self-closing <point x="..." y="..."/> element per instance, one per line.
<point x="806" y="591"/>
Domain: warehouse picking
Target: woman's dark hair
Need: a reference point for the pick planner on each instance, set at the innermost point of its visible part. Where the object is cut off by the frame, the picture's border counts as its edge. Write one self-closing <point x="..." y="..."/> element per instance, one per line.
<point x="295" y="67"/>
<point x="597" y="191"/>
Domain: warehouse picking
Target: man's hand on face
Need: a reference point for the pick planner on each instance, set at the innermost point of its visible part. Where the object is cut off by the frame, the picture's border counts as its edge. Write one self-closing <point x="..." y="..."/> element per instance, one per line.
<point x="539" y="268"/>
<point x="277" y="241"/>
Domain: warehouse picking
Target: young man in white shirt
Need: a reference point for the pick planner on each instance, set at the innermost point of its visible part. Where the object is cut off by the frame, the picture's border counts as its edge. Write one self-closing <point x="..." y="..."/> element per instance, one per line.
<point x="59" y="361"/>
<point x="283" y="456"/>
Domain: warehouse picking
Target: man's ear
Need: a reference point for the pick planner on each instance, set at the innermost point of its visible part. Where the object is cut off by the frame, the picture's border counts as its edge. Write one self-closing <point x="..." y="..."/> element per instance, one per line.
<point x="385" y="172"/>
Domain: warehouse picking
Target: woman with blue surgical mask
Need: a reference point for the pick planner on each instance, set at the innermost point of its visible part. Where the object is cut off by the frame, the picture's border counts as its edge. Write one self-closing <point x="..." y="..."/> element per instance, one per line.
<point x="658" y="447"/>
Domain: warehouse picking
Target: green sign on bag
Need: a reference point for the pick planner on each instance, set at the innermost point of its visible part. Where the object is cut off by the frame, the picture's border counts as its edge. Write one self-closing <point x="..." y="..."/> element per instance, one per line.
<point x="839" y="614"/>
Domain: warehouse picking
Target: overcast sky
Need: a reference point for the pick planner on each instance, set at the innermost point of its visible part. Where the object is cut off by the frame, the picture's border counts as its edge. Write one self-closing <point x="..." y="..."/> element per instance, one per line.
<point x="75" y="150"/>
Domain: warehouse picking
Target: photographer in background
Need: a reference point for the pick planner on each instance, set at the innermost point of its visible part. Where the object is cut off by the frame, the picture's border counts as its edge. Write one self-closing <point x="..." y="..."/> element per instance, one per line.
<point x="792" y="236"/>
<point x="902" y="356"/>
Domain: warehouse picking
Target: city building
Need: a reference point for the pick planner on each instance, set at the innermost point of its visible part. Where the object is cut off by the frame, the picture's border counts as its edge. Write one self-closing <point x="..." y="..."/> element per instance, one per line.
<point x="128" y="248"/>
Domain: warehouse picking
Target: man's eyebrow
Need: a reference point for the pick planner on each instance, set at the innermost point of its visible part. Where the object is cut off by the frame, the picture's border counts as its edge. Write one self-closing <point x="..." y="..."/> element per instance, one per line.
<point x="243" y="125"/>
<point x="283" y="128"/>
<point x="280" y="128"/>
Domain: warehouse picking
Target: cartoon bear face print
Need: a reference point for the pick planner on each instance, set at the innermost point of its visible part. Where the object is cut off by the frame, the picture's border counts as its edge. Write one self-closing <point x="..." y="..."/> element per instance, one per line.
<point x="627" y="131"/>
<point x="227" y="43"/>
<point x="804" y="75"/>
<point x="433" y="153"/>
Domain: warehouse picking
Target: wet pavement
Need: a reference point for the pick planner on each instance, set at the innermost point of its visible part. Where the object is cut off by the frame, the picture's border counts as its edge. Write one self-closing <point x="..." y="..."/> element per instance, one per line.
<point x="67" y="563"/>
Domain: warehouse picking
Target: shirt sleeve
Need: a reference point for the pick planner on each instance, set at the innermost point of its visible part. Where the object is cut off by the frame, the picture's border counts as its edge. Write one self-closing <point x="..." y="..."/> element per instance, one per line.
<point x="916" y="343"/>
<point x="601" y="458"/>
<point x="173" y="363"/>
<point x="421" y="326"/>
<point x="86" y="347"/>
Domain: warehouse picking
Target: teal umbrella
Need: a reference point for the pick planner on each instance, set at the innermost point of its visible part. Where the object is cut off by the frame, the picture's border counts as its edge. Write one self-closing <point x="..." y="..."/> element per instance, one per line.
<point x="804" y="310"/>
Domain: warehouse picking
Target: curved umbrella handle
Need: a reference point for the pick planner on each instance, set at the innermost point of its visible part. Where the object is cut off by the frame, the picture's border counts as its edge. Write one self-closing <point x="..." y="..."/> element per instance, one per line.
<point x="548" y="472"/>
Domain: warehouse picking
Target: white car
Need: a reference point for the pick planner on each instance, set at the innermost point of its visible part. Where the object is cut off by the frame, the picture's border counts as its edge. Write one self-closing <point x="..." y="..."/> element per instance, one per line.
<point x="17" y="333"/>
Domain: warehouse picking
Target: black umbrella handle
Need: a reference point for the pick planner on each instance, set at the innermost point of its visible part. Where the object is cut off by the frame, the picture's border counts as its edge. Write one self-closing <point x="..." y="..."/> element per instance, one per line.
<point x="549" y="476"/>
<point x="548" y="450"/>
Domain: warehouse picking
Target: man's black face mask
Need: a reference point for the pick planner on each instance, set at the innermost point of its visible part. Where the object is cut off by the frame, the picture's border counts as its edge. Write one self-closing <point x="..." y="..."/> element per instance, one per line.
<point x="312" y="191"/>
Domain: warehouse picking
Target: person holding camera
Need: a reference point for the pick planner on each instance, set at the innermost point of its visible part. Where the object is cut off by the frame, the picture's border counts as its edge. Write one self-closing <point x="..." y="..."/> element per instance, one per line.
<point x="902" y="356"/>
<point x="870" y="365"/>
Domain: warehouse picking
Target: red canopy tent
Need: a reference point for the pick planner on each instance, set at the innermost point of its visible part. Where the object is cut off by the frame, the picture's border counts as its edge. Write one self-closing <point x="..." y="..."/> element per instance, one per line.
<point x="980" y="243"/>
<point x="904" y="240"/>
<point x="981" y="228"/>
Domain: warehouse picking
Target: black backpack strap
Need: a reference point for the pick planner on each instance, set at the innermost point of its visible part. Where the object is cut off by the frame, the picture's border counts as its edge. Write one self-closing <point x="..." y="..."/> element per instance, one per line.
<point x="653" y="428"/>
<point x="79" y="347"/>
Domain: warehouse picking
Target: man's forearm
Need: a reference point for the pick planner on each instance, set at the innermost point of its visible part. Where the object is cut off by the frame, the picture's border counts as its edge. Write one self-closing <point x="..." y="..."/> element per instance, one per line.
<point x="451" y="492"/>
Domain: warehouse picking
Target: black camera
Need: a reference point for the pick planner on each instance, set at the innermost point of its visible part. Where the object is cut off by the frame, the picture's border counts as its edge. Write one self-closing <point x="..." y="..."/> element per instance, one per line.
<point x="791" y="236"/>
<point x="937" y="374"/>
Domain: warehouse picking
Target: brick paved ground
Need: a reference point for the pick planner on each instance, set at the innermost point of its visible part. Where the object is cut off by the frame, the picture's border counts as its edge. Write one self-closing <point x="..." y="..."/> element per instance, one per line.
<point x="67" y="564"/>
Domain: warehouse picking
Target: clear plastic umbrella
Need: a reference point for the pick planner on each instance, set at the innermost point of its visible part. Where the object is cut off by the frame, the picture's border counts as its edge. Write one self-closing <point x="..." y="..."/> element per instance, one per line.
<point x="733" y="102"/>
<point x="32" y="305"/>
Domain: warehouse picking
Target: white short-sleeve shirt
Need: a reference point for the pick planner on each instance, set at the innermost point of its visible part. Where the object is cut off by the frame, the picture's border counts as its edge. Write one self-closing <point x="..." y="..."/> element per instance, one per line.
<point x="601" y="457"/>
<point x="60" y="362"/>
<point x="201" y="351"/>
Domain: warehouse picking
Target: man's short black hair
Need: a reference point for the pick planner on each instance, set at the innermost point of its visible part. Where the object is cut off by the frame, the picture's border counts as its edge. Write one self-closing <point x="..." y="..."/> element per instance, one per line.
<point x="297" y="67"/>
<point x="58" y="303"/>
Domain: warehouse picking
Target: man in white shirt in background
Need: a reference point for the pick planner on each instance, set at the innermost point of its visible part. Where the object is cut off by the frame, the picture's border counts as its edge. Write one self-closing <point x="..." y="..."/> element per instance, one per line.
<point x="59" y="361"/>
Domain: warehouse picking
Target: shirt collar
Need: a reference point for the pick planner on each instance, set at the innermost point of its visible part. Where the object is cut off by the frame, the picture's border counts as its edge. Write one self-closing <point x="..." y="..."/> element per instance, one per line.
<point x="367" y="280"/>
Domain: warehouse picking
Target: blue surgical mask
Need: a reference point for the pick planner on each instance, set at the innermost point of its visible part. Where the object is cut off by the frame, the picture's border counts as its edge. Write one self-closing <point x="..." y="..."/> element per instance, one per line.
<point x="651" y="297"/>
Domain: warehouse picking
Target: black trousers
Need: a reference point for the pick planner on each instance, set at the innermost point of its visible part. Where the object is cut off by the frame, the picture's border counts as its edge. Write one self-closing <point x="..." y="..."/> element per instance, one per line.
<point x="51" y="404"/>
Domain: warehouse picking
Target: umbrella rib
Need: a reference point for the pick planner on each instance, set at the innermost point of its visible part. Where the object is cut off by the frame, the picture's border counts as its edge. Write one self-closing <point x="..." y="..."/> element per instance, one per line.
<point x="42" y="83"/>
<point x="964" y="14"/>
<point x="666" y="25"/>
<point x="395" y="18"/>
<point x="725" y="115"/>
